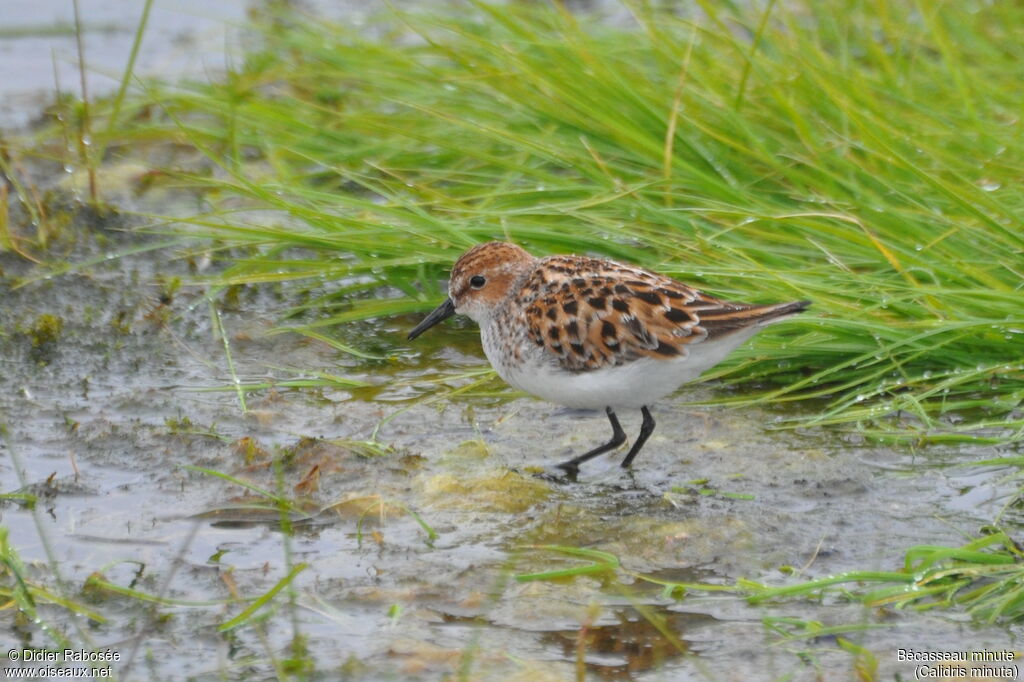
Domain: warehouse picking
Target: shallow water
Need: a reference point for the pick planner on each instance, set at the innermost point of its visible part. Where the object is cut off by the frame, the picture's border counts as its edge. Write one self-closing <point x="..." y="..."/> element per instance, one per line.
<point x="184" y="38"/>
<point x="106" y="419"/>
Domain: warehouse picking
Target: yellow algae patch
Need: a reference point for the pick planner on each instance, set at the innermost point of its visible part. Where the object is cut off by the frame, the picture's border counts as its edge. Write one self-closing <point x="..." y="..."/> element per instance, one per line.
<point x="641" y="542"/>
<point x="468" y="450"/>
<point x="369" y="504"/>
<point x="505" y="491"/>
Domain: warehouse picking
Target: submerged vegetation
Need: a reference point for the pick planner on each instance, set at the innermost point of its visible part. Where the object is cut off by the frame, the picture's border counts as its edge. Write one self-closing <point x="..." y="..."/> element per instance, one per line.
<point x="985" y="576"/>
<point x="866" y="160"/>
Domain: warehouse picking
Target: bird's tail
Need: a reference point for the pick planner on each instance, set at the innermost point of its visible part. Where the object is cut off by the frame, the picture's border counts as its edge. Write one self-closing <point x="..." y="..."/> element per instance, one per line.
<point x="768" y="314"/>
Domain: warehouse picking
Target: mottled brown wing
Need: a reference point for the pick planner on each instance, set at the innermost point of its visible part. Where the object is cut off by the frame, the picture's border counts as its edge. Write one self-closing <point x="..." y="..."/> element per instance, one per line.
<point x="591" y="313"/>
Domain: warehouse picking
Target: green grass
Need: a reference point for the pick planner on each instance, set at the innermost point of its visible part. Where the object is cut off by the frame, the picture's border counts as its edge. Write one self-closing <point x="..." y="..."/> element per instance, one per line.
<point x="865" y="156"/>
<point x="985" y="577"/>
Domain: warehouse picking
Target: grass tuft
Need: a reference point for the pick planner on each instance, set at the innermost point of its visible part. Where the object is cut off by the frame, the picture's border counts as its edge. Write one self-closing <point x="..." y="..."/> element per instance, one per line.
<point x="865" y="159"/>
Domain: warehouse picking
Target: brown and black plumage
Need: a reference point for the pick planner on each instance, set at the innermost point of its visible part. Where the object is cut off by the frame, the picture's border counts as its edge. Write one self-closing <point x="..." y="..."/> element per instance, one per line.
<point x="592" y="333"/>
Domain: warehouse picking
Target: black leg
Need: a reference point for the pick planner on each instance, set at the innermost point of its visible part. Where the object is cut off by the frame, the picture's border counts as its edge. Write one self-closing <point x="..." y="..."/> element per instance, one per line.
<point x="572" y="467"/>
<point x="646" y="428"/>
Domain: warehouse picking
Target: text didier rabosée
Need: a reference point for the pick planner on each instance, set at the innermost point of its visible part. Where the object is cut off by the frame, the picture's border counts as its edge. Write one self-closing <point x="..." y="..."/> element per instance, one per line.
<point x="65" y="655"/>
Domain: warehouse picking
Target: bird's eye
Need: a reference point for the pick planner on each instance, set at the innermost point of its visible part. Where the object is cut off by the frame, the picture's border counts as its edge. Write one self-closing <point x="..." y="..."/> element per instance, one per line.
<point x="477" y="281"/>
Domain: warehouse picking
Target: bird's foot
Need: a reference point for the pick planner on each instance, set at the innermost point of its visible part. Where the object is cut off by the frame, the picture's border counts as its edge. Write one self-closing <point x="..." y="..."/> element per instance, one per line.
<point x="560" y="473"/>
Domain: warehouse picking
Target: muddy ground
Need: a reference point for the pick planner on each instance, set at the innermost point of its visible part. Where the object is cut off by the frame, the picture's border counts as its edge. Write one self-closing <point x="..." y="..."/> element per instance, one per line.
<point x="113" y="387"/>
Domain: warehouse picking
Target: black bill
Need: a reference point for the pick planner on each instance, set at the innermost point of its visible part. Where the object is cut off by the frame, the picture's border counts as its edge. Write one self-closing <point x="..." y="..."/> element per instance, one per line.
<point x="441" y="312"/>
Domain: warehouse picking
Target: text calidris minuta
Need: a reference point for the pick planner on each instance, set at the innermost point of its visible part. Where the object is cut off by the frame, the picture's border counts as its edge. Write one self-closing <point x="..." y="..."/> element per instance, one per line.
<point x="592" y="333"/>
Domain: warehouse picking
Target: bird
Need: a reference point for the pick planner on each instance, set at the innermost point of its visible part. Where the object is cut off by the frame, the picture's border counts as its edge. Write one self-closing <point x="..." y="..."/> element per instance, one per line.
<point x="594" y="333"/>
